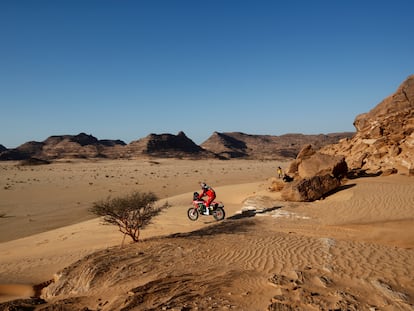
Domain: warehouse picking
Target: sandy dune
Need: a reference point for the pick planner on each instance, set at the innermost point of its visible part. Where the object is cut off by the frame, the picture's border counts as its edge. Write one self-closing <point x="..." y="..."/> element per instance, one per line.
<point x="351" y="251"/>
<point x="46" y="225"/>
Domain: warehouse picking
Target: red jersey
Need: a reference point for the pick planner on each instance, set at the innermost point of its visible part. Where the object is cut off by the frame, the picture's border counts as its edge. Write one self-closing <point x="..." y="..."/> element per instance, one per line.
<point x="208" y="191"/>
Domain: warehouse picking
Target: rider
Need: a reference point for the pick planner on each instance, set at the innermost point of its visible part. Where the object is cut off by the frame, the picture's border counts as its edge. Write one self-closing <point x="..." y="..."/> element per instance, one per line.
<point x="207" y="191"/>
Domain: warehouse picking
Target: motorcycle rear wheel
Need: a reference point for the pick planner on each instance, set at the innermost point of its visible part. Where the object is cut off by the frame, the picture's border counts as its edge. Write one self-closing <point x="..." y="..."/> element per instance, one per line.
<point x="219" y="214"/>
<point x="192" y="214"/>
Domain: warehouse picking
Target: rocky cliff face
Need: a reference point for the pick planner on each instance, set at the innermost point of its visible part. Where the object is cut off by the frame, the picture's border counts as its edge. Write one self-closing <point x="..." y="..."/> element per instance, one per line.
<point x="384" y="139"/>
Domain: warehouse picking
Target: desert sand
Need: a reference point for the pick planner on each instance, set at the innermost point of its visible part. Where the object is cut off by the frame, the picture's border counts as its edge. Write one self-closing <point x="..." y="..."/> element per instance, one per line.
<point x="351" y="251"/>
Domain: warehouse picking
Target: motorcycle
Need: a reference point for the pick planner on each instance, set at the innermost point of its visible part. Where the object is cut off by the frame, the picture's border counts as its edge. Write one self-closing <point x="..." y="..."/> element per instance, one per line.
<point x="199" y="208"/>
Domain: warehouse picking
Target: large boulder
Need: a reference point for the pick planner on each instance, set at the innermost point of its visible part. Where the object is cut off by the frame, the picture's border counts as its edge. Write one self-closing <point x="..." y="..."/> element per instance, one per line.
<point x="310" y="189"/>
<point x="311" y="163"/>
<point x="314" y="175"/>
<point x="320" y="164"/>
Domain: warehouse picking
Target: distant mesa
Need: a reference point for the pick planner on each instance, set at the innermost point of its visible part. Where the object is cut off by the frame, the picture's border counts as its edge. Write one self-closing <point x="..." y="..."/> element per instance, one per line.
<point x="81" y="139"/>
<point x="63" y="146"/>
<point x="287" y="146"/>
<point x="167" y="145"/>
<point x="226" y="145"/>
<point x="219" y="145"/>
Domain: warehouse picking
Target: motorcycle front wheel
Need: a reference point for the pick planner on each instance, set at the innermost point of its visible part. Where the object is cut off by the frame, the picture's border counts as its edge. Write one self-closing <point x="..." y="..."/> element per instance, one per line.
<point x="219" y="214"/>
<point x="192" y="214"/>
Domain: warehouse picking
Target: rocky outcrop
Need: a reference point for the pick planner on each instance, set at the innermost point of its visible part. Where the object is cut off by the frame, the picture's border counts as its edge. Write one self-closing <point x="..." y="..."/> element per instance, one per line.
<point x="310" y="189"/>
<point x="310" y="163"/>
<point x="384" y="141"/>
<point x="314" y="175"/>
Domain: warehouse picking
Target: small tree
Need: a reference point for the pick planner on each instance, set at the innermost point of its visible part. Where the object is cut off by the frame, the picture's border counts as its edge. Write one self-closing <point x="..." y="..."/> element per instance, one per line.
<point x="130" y="213"/>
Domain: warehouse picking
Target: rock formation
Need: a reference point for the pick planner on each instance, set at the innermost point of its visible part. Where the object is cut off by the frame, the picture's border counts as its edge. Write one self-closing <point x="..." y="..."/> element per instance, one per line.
<point x="314" y="174"/>
<point x="310" y="189"/>
<point x="63" y="146"/>
<point x="226" y="146"/>
<point x="219" y="145"/>
<point x="384" y="141"/>
<point x="310" y="163"/>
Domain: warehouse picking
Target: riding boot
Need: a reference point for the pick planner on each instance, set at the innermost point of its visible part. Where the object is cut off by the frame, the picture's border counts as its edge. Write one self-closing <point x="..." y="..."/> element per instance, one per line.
<point x="207" y="211"/>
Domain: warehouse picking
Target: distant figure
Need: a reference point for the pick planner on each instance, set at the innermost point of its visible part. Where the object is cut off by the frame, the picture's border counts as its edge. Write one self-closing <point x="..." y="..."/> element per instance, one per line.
<point x="207" y="191"/>
<point x="279" y="172"/>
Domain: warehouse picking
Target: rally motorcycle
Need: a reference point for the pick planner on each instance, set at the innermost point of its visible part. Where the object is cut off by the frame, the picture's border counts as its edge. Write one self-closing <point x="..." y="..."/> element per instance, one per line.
<point x="199" y="208"/>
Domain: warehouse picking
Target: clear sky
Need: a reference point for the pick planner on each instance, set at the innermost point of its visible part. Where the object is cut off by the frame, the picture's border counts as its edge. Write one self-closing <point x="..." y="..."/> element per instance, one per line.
<point x="125" y="69"/>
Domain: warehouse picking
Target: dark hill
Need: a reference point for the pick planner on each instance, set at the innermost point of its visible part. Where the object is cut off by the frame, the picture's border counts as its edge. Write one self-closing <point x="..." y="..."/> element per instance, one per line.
<point x="23" y="152"/>
<point x="225" y="145"/>
<point x="167" y="145"/>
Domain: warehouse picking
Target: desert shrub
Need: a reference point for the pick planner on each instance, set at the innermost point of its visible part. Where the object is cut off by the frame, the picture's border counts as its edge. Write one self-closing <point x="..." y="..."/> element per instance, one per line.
<point x="130" y="213"/>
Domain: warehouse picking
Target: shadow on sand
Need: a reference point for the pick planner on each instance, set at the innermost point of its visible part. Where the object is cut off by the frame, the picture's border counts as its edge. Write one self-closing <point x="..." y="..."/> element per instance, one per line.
<point x="253" y="212"/>
<point x="224" y="227"/>
<point x="228" y="225"/>
<point x="340" y="188"/>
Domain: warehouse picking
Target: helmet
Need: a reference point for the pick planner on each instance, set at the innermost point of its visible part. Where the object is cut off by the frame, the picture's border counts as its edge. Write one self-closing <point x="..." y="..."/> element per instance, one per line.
<point x="195" y="196"/>
<point x="203" y="185"/>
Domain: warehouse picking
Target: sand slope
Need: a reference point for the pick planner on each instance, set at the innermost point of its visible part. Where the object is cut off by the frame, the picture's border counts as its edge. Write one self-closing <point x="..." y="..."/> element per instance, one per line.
<point x="35" y="199"/>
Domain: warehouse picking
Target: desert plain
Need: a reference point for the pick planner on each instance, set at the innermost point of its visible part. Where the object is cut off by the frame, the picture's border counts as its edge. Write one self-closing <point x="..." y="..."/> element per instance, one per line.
<point x="353" y="250"/>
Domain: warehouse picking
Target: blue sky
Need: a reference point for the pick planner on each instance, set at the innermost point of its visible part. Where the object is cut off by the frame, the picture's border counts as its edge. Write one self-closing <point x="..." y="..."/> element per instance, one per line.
<point x="125" y="69"/>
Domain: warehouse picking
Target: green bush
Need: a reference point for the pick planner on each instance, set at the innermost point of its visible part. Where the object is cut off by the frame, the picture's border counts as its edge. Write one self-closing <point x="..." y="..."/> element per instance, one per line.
<point x="130" y="213"/>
